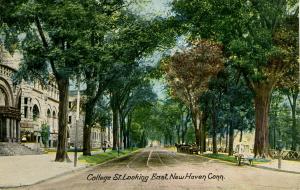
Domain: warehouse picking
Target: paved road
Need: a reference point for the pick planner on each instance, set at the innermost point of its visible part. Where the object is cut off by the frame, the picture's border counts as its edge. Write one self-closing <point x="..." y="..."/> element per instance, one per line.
<point x="155" y="168"/>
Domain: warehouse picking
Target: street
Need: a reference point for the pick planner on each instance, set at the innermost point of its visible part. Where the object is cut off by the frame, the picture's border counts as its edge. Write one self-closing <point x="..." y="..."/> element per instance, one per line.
<point x="157" y="168"/>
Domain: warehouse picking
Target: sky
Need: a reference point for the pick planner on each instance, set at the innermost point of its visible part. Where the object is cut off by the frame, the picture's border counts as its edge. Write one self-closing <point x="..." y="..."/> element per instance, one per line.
<point x="150" y="9"/>
<point x="153" y="8"/>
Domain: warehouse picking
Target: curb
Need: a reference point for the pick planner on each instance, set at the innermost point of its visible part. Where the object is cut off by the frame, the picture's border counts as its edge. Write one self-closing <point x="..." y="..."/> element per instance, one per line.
<point x="254" y="166"/>
<point x="218" y="160"/>
<point x="88" y="167"/>
<point x="275" y="169"/>
<point x="43" y="180"/>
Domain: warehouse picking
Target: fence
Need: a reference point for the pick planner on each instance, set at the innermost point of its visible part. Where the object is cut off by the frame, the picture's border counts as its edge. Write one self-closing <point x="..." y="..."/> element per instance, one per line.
<point x="285" y="154"/>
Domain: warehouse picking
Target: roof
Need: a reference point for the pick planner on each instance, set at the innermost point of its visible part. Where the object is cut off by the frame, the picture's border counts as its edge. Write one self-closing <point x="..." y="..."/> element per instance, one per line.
<point x="9" y="60"/>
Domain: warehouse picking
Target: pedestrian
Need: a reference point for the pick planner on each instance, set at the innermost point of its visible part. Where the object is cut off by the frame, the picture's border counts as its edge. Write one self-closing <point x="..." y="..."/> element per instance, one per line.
<point x="104" y="146"/>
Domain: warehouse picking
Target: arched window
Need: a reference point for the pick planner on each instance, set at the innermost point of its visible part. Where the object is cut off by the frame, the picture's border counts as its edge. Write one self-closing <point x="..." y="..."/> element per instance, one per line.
<point x="48" y="113"/>
<point x="3" y="98"/>
<point x="19" y="103"/>
<point x="35" y="112"/>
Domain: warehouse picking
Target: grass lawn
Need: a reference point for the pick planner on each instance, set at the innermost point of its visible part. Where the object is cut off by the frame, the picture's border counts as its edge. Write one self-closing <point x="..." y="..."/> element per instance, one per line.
<point x="102" y="157"/>
<point x="171" y="148"/>
<point x="221" y="157"/>
<point x="232" y="159"/>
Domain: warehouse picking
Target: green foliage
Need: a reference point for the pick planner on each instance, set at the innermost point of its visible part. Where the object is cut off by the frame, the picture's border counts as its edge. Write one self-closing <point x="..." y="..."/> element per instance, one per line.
<point x="229" y="97"/>
<point x="105" y="43"/>
<point x="137" y="135"/>
<point x="223" y="157"/>
<point x="249" y="32"/>
<point x="106" y="156"/>
<point x="232" y="159"/>
<point x="257" y="38"/>
<point x="45" y="134"/>
<point x="190" y="135"/>
<point x="162" y="120"/>
<point x="281" y="122"/>
<point x="102" y="112"/>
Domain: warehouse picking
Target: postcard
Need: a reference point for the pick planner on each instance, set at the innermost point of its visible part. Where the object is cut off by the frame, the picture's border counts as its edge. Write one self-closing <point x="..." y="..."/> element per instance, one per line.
<point x="149" y="94"/>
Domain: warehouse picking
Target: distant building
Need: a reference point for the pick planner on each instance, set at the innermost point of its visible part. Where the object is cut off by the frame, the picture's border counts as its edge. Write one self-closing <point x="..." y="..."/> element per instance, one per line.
<point x="99" y="134"/>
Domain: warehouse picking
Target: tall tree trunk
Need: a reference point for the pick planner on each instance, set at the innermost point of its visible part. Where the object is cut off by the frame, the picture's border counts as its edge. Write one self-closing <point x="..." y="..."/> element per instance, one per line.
<point x="204" y="139"/>
<point x="226" y="140"/>
<point x="128" y="131"/>
<point x="125" y="137"/>
<point x="184" y="127"/>
<point x="115" y="128"/>
<point x="294" y="129"/>
<point x="205" y="116"/>
<point x="178" y="133"/>
<point x="88" y="122"/>
<point x="241" y="135"/>
<point x="124" y="132"/>
<point x="121" y="125"/>
<point x="183" y="133"/>
<point x="274" y="127"/>
<point x="293" y="103"/>
<point x="262" y="102"/>
<point x="93" y="95"/>
<point x="63" y="87"/>
<point x="214" y="131"/>
<point x="231" y="139"/>
<point x="197" y="125"/>
<point x="197" y="136"/>
<point x="201" y="133"/>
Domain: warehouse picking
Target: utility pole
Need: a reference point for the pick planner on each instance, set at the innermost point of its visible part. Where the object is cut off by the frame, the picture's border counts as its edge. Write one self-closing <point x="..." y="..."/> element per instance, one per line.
<point x="77" y="120"/>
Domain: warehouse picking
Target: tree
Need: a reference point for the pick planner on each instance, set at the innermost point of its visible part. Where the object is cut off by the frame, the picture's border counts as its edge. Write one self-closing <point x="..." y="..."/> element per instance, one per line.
<point x="212" y="104"/>
<point x="45" y="134"/>
<point x="130" y="38"/>
<point x="52" y="42"/>
<point x="185" y="117"/>
<point x="121" y="89"/>
<point x="99" y="69"/>
<point x="141" y="95"/>
<point x="188" y="74"/>
<point x="289" y="83"/>
<point x="163" y="117"/>
<point x="250" y="33"/>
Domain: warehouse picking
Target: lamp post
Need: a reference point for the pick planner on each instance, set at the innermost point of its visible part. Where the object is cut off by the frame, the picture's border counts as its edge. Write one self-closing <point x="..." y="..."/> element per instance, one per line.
<point x="36" y="140"/>
<point x="76" y="123"/>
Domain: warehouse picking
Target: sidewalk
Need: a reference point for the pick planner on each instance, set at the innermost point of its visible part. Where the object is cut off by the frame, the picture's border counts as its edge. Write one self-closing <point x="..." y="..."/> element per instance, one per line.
<point x="286" y="165"/>
<point x="30" y="169"/>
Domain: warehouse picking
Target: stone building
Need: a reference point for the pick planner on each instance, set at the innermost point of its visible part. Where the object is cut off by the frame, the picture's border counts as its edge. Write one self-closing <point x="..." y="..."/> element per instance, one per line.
<point x="99" y="134"/>
<point x="25" y="107"/>
<point x="10" y="106"/>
